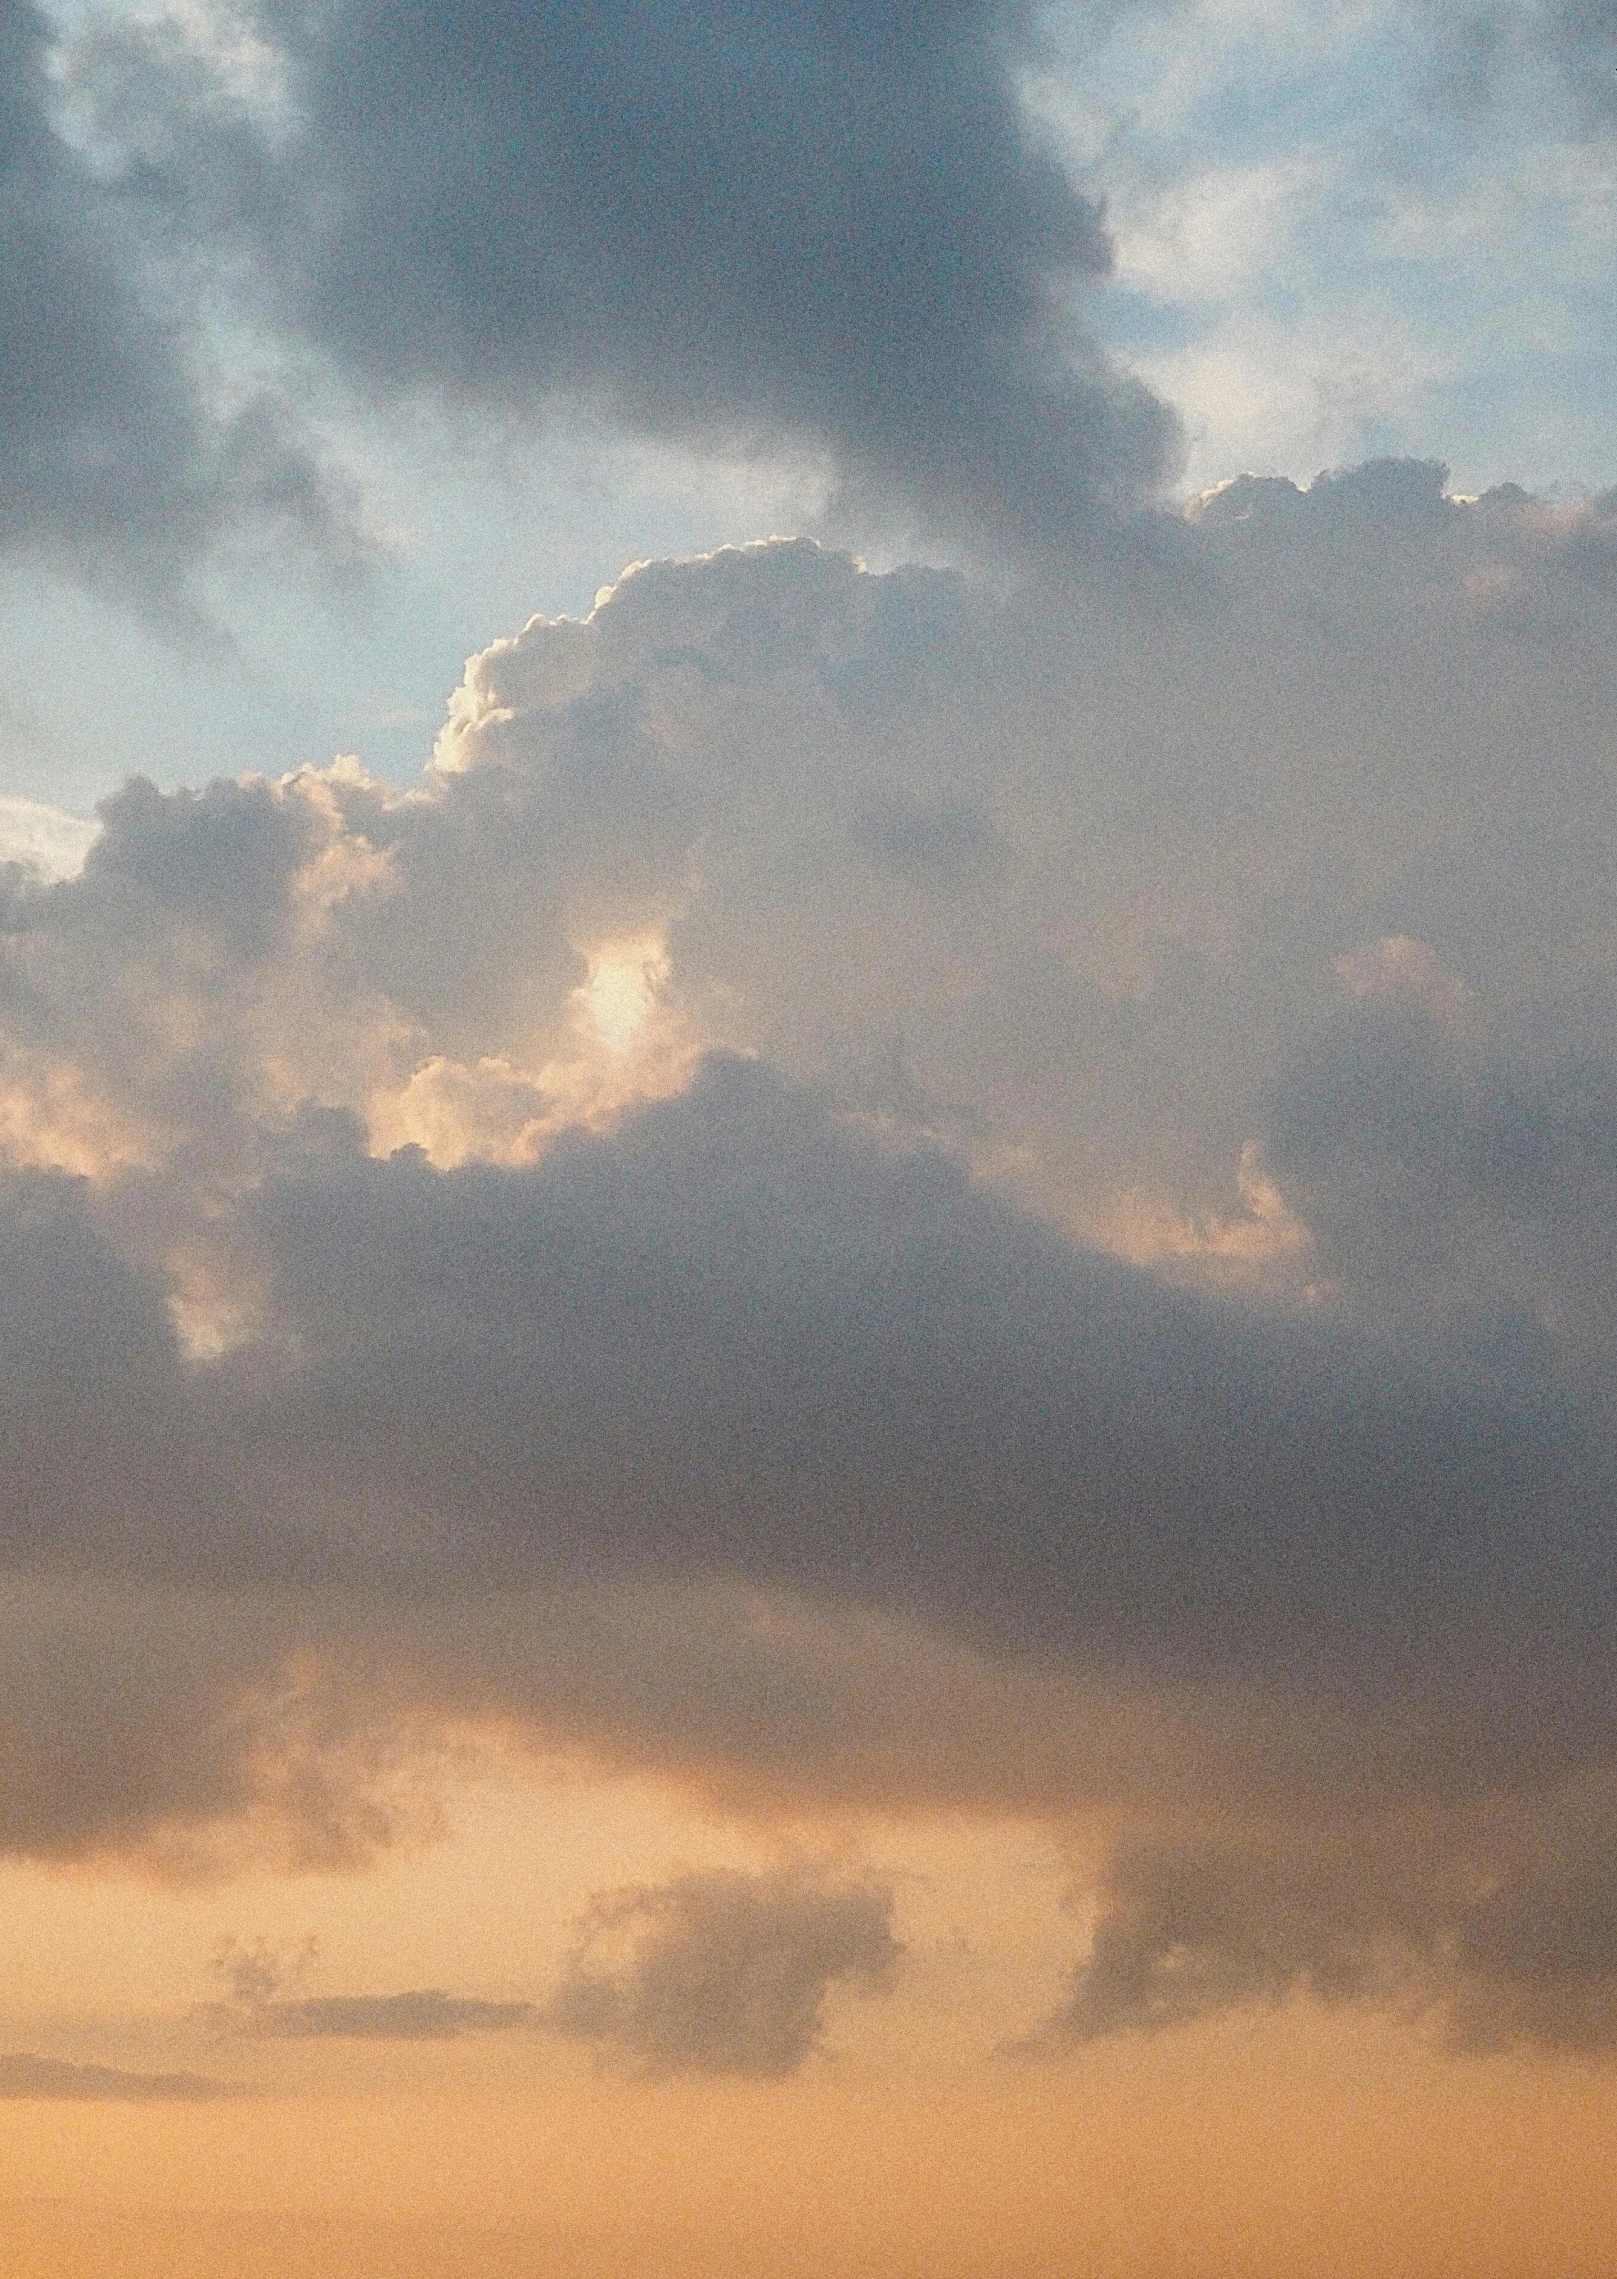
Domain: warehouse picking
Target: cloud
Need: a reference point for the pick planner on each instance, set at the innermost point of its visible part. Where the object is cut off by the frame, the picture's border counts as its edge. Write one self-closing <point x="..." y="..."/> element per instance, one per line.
<point x="1507" y="1937"/>
<point x="634" y="1240"/>
<point x="749" y="228"/>
<point x="117" y="460"/>
<point x="1499" y="47"/>
<point x="422" y="2015"/>
<point x="145" y="1716"/>
<point x="1035" y="824"/>
<point x="257" y="1978"/>
<point x="56" y="2079"/>
<point x="1444" y="1175"/>
<point x="44" y="837"/>
<point x="736" y="1335"/>
<point x="722" y="1973"/>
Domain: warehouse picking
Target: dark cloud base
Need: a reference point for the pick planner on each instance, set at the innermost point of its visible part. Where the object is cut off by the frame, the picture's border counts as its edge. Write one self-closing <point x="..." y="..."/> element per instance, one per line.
<point x="1505" y="1934"/>
<point x="736" y="1339"/>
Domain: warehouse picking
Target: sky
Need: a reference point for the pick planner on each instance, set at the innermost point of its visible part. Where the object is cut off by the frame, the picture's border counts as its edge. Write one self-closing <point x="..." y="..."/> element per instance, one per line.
<point x="808" y="1139"/>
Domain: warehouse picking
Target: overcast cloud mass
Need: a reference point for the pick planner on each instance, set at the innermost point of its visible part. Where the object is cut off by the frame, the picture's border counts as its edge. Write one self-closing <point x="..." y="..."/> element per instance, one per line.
<point x="880" y="1190"/>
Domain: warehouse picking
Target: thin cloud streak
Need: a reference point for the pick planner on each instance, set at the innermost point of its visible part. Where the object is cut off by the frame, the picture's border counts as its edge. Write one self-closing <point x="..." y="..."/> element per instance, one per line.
<point x="24" y="2077"/>
<point x="424" y="2014"/>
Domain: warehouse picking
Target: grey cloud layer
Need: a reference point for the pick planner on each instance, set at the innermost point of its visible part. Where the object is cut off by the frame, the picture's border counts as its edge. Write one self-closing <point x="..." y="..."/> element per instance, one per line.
<point x="696" y="1153"/>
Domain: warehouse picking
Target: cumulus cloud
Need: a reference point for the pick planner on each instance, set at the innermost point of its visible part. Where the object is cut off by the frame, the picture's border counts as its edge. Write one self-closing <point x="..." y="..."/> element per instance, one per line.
<point x="638" y="1238"/>
<point x="1028" y="824"/>
<point x="722" y="1973"/>
<point x="814" y="227"/>
<point x="23" y="2076"/>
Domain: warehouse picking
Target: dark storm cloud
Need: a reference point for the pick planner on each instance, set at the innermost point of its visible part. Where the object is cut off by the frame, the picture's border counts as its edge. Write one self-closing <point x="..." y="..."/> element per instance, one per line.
<point x="777" y="225"/>
<point x="738" y="1341"/>
<point x="722" y="1973"/>
<point x="112" y="463"/>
